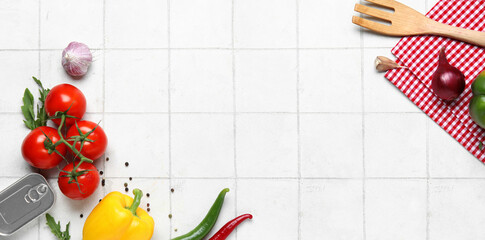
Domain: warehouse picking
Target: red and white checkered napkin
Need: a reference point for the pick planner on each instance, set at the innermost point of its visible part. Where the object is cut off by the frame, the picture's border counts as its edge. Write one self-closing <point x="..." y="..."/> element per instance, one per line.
<point x="420" y="54"/>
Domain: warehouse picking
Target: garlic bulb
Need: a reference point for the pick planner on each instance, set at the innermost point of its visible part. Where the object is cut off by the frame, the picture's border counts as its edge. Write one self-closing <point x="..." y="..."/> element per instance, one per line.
<point x="76" y="59"/>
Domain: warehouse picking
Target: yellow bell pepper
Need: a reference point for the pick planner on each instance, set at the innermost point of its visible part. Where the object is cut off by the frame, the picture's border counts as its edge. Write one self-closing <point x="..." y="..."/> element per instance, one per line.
<point x="118" y="217"/>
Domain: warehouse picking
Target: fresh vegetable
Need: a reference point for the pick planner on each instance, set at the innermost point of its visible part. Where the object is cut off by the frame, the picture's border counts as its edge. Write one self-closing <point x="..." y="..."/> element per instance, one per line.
<point x="65" y="98"/>
<point x="383" y="64"/>
<point x="208" y="222"/>
<point x="118" y="217"/>
<point x="90" y="136"/>
<point x="39" y="148"/>
<point x="56" y="228"/>
<point x="31" y="121"/>
<point x="227" y="229"/>
<point x="477" y="103"/>
<point x="448" y="82"/>
<point x="45" y="147"/>
<point x="78" y="183"/>
<point x="76" y="59"/>
<point x="79" y="173"/>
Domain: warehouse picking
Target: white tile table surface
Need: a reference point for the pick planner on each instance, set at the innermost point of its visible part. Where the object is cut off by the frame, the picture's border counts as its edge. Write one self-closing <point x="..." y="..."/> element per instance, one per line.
<point x="276" y="99"/>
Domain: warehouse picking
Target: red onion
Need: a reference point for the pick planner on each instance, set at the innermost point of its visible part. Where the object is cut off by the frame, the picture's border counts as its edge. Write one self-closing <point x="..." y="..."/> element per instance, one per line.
<point x="448" y="82"/>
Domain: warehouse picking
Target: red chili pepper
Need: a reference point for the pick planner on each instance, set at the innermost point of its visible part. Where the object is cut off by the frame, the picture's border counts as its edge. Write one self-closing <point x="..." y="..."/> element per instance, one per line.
<point x="227" y="229"/>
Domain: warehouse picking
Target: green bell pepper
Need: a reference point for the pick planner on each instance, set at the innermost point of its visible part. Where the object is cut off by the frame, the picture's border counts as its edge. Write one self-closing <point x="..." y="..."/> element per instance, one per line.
<point x="477" y="103"/>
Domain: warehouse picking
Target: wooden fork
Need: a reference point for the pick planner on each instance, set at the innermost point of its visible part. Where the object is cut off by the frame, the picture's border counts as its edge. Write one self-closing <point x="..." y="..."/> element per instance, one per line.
<point x="406" y="21"/>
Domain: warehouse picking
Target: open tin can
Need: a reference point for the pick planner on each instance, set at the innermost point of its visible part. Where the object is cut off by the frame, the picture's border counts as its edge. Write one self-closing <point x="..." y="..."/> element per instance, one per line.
<point x="24" y="201"/>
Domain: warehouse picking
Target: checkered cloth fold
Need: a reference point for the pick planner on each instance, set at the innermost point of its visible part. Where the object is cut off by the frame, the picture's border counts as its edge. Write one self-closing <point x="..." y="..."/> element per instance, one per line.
<point x="420" y="55"/>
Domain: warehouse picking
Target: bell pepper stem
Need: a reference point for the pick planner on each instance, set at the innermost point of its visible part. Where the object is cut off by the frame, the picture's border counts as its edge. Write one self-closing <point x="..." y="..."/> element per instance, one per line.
<point x="136" y="201"/>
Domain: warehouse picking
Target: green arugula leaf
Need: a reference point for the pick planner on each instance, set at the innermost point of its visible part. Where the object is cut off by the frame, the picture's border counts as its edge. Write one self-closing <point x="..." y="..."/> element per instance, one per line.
<point x="480" y="145"/>
<point x="56" y="228"/>
<point x="41" y="113"/>
<point x="38" y="82"/>
<point x="66" y="234"/>
<point x="28" y="108"/>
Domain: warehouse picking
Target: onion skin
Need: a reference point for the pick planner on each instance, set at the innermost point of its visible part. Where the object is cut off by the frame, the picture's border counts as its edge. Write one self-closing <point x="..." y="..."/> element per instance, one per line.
<point x="448" y="82"/>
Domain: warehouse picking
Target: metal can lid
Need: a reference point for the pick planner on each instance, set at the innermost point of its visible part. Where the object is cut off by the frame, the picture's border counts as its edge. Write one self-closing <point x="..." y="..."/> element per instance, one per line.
<point x="24" y="201"/>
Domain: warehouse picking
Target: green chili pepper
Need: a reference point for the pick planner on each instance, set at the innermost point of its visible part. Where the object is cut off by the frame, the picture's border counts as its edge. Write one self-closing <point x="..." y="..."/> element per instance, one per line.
<point x="208" y="222"/>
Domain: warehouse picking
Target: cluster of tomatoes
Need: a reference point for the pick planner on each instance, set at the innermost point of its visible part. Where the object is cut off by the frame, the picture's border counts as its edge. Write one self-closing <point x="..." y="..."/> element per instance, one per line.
<point x="77" y="141"/>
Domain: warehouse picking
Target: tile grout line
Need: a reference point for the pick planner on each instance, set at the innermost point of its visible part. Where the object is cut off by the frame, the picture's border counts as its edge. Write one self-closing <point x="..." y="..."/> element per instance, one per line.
<point x="364" y="226"/>
<point x="288" y="178"/>
<point x="184" y="49"/>
<point x="298" y="126"/>
<point x="239" y="113"/>
<point x="427" y="180"/>
<point x="40" y="77"/>
<point x="427" y="163"/>
<point x="169" y="116"/>
<point x="104" y="82"/>
<point x="234" y="112"/>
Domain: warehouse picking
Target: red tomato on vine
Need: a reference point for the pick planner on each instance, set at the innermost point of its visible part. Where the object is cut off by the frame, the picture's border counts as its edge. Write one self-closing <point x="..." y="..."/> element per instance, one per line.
<point x="63" y="97"/>
<point x="91" y="136"/>
<point x="34" y="148"/>
<point x="87" y="178"/>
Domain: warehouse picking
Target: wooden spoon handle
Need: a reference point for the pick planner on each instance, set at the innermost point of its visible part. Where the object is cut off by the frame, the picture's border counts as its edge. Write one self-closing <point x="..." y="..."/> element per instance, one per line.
<point x="473" y="37"/>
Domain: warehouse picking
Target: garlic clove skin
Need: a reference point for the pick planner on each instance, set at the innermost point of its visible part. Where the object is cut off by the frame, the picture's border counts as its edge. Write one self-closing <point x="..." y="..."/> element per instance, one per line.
<point x="76" y="59"/>
<point x="383" y="64"/>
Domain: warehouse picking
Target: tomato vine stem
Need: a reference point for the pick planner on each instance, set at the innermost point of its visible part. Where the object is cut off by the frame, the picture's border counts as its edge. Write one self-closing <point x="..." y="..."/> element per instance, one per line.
<point x="73" y="174"/>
